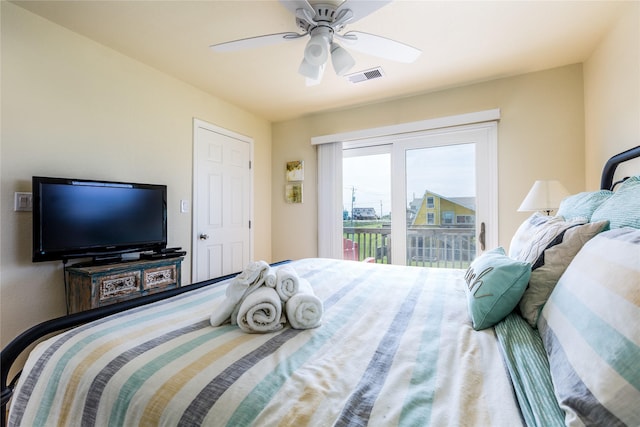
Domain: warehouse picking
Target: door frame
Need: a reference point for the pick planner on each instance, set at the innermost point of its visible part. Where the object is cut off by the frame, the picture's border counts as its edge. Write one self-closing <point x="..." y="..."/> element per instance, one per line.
<point x="198" y="123"/>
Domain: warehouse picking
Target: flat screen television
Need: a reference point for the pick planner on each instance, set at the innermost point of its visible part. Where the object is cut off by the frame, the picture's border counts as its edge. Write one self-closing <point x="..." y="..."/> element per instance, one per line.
<point x="78" y="218"/>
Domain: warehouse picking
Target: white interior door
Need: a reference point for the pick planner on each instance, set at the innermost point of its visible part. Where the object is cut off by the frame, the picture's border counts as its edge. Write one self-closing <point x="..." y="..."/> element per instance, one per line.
<point x="222" y="202"/>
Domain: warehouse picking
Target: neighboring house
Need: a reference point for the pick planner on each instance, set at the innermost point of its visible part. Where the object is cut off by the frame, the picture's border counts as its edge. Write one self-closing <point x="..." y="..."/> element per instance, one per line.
<point x="435" y="210"/>
<point x="364" y="213"/>
<point x="441" y="229"/>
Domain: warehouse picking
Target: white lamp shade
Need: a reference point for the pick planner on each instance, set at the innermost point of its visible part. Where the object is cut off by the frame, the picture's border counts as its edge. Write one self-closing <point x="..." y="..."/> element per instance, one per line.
<point x="341" y="59"/>
<point x="544" y="196"/>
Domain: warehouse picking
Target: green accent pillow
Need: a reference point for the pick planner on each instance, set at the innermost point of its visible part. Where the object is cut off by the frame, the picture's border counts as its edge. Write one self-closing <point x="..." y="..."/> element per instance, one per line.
<point x="622" y="209"/>
<point x="495" y="284"/>
<point x="583" y="205"/>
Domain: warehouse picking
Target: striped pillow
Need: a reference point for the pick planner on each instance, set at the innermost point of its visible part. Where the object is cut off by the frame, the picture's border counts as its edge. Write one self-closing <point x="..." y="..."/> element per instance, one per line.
<point x="582" y="205"/>
<point x="591" y="335"/>
<point x="552" y="262"/>
<point x="622" y="209"/>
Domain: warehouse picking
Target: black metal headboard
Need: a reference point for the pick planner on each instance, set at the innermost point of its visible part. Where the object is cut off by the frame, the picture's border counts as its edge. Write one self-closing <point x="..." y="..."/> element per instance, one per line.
<point x="606" y="182"/>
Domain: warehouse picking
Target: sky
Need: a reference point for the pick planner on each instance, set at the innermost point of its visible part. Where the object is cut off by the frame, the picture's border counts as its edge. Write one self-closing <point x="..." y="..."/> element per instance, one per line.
<point x="447" y="170"/>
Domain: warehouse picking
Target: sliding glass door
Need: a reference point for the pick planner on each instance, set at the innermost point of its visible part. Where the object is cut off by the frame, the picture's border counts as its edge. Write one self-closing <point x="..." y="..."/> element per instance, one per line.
<point x="441" y="190"/>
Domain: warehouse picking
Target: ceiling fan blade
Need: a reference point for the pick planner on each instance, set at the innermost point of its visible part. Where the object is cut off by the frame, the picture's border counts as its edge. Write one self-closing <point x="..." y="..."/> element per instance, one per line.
<point x="293" y="5"/>
<point x="361" y="8"/>
<point x="379" y="46"/>
<point x="252" y="42"/>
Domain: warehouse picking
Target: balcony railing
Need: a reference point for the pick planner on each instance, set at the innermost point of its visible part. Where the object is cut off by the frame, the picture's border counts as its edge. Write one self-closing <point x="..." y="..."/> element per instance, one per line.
<point x="429" y="247"/>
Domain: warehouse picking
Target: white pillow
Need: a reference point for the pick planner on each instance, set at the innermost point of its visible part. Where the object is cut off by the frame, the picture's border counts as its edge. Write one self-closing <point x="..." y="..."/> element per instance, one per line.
<point x="535" y="234"/>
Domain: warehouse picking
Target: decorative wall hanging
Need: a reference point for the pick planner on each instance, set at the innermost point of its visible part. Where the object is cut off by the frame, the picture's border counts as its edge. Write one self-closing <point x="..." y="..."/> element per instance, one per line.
<point x="295" y="170"/>
<point x="293" y="192"/>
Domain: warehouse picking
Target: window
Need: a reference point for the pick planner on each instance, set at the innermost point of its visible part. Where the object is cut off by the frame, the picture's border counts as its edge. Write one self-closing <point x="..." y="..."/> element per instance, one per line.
<point x="431" y="218"/>
<point x="430" y="202"/>
<point x="465" y="219"/>
<point x="447" y="217"/>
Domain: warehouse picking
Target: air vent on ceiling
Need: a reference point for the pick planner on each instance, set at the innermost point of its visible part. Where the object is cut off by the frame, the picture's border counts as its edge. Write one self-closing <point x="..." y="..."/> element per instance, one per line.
<point x="363" y="76"/>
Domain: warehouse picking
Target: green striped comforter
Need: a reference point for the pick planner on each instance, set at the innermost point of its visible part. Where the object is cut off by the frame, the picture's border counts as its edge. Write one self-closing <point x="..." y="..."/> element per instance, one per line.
<point x="395" y="347"/>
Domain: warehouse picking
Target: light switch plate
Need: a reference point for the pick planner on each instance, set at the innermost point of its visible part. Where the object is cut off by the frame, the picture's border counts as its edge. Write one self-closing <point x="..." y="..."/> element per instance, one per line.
<point x="184" y="206"/>
<point x="22" y="202"/>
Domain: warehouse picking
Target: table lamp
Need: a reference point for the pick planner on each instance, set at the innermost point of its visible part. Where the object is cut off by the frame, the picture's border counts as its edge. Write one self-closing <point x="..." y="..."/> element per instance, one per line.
<point x="544" y="196"/>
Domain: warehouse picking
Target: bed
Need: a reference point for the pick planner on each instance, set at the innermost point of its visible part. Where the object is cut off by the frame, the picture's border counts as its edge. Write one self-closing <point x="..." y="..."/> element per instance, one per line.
<point x="405" y="346"/>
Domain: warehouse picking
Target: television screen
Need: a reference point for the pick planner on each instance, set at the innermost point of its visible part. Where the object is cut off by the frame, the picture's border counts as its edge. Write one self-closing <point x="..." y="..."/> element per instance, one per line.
<point x="79" y="218"/>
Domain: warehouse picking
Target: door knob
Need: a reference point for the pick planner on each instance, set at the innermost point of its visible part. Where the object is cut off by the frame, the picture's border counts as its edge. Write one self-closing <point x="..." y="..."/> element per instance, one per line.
<point x="204" y="236"/>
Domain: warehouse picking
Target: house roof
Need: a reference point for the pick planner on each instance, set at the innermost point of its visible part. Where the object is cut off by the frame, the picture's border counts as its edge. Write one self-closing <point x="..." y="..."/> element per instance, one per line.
<point x="467" y="202"/>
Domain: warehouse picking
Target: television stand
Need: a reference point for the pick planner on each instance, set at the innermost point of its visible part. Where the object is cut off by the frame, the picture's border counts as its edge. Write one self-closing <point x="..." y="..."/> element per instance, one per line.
<point x="90" y="285"/>
<point x="98" y="261"/>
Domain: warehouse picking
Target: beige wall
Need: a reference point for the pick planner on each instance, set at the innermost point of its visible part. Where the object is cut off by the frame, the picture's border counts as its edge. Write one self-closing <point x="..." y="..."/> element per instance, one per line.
<point x="612" y="97"/>
<point x="540" y="135"/>
<point x="73" y="108"/>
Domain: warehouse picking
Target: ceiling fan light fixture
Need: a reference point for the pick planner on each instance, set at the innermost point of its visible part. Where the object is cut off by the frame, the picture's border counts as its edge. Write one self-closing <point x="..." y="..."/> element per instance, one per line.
<point x="341" y="59"/>
<point x="309" y="70"/>
<point x="315" y="81"/>
<point x="317" y="50"/>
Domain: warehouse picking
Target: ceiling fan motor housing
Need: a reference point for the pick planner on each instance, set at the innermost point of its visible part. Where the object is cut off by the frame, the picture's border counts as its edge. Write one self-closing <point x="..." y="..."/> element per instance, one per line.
<point x="324" y="13"/>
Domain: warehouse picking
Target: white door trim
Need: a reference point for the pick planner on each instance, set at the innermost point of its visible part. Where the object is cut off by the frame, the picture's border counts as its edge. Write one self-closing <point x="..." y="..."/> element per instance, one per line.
<point x="197" y="123"/>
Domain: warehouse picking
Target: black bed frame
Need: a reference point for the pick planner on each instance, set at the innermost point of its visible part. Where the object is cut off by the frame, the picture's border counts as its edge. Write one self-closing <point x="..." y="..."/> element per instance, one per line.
<point x="23" y="341"/>
<point x="606" y="182"/>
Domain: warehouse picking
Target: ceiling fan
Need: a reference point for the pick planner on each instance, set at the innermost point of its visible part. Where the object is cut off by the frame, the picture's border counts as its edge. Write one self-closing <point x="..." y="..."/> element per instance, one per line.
<point x="322" y="21"/>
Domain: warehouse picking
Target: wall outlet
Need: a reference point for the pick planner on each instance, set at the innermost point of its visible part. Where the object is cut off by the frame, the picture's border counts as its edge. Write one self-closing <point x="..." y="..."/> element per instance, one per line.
<point x="22" y="202"/>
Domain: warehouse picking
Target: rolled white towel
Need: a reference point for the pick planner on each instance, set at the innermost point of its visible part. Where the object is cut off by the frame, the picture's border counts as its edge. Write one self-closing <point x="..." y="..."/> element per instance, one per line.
<point x="222" y="312"/>
<point x="270" y="277"/>
<point x="287" y="282"/>
<point x="304" y="309"/>
<point x="250" y="279"/>
<point x="261" y="312"/>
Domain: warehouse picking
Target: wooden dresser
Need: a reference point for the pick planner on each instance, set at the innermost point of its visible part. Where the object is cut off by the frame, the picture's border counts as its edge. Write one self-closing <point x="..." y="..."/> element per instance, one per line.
<point x="98" y="285"/>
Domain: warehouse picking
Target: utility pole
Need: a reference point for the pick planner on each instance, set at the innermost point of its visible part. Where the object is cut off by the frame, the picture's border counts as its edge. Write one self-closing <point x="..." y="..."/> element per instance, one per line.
<point x="353" y="199"/>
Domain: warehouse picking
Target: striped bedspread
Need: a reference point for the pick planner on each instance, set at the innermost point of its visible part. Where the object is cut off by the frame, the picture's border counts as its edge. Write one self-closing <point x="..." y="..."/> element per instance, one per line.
<point x="395" y="347"/>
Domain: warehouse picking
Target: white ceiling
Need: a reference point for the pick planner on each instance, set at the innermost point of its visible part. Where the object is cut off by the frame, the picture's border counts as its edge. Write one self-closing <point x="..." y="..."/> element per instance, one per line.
<point x="462" y="42"/>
